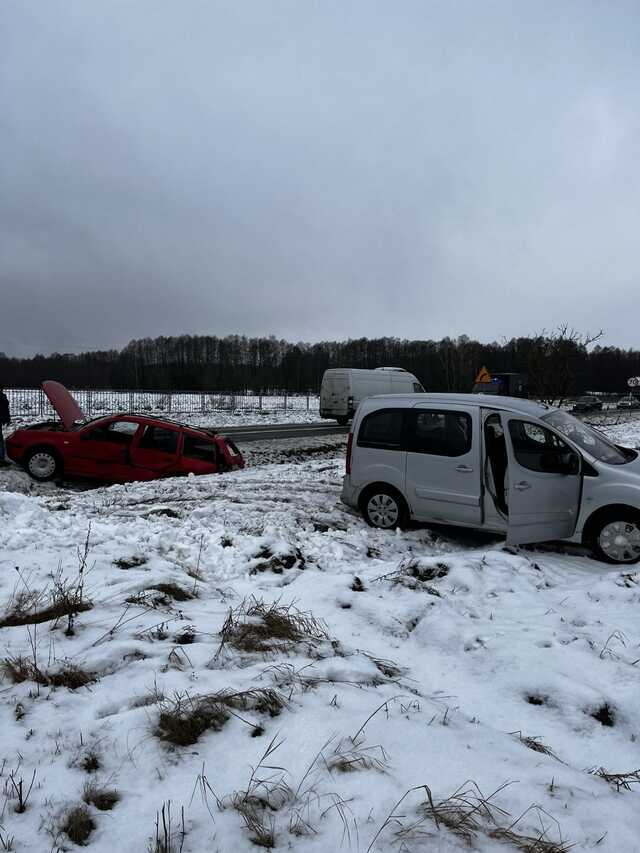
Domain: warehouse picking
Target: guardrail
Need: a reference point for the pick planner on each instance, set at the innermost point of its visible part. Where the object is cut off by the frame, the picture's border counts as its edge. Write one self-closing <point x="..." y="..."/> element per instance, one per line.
<point x="94" y="402"/>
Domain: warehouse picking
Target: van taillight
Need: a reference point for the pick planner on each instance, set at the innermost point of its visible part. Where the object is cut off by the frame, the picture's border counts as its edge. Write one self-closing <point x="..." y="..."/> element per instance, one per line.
<point x="349" y="446"/>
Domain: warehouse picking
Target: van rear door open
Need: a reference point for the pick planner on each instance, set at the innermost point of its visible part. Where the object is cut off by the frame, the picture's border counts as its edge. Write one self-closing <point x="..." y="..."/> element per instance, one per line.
<point x="443" y="480"/>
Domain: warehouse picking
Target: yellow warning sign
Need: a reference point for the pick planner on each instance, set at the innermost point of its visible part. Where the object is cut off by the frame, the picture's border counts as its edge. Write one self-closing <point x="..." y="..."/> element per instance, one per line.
<point x="483" y="377"/>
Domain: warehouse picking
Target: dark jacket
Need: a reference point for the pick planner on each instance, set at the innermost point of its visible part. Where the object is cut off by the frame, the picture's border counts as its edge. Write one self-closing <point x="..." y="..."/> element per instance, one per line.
<point x="5" y="417"/>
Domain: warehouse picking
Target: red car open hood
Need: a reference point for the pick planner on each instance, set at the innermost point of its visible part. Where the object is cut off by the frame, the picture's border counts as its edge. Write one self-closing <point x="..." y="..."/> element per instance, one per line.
<point x="67" y="408"/>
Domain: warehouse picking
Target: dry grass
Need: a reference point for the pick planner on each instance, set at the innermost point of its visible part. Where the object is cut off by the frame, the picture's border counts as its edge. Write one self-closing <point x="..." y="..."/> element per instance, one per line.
<point x="161" y="595"/>
<point x="535" y="744"/>
<point x="258" y="627"/>
<point x="349" y="757"/>
<point x="622" y="781"/>
<point x="168" y="837"/>
<point x="99" y="796"/>
<point x="133" y="562"/>
<point x="468" y="813"/>
<point x="64" y="599"/>
<point x="90" y="761"/>
<point x="19" y="669"/>
<point x="264" y="795"/>
<point x="34" y="608"/>
<point x="185" y="718"/>
<point x="415" y="573"/>
<point x="78" y="824"/>
<point x="277" y="563"/>
<point x="605" y="715"/>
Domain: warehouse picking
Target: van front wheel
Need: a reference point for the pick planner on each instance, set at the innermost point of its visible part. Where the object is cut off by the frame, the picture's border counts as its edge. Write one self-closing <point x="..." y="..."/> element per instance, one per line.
<point x="384" y="508"/>
<point x="616" y="537"/>
<point x="343" y="420"/>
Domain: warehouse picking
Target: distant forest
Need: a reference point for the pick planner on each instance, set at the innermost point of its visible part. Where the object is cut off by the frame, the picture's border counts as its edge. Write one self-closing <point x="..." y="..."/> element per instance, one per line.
<point x="235" y="363"/>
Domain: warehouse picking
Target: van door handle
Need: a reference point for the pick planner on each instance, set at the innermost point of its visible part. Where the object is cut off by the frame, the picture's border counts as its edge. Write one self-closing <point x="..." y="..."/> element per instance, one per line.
<point x="464" y="469"/>
<point x="523" y="486"/>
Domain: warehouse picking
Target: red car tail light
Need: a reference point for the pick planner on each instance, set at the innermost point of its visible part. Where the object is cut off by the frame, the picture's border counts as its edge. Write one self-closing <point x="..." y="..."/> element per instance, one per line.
<point x="349" y="448"/>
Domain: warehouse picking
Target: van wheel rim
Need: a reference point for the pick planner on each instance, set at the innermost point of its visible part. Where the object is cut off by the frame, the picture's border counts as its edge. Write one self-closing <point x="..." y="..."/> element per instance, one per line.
<point x="42" y="465"/>
<point x="620" y="541"/>
<point x="383" y="511"/>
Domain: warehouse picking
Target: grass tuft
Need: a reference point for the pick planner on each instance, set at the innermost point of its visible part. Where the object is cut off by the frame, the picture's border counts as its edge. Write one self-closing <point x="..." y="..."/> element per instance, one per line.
<point x="90" y="761"/>
<point x="160" y="595"/>
<point x="19" y="669"/>
<point x="33" y="608"/>
<point x="349" y="757"/>
<point x="185" y="718"/>
<point x="78" y="824"/>
<point x="535" y="744"/>
<point x="622" y="781"/>
<point x="130" y="562"/>
<point x="468" y="813"/>
<point x="605" y="715"/>
<point x="102" y="798"/>
<point x="415" y="573"/>
<point x="262" y="628"/>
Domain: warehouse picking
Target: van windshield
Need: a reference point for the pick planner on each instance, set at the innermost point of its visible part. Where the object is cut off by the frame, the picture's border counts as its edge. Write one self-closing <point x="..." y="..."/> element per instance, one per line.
<point x="589" y="439"/>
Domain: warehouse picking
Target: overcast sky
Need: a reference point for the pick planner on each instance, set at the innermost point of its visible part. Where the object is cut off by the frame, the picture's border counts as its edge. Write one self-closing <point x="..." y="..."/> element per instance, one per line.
<point x="317" y="170"/>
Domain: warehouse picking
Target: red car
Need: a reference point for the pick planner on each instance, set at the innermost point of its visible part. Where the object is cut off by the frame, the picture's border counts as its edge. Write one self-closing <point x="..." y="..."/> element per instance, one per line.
<point x="118" y="448"/>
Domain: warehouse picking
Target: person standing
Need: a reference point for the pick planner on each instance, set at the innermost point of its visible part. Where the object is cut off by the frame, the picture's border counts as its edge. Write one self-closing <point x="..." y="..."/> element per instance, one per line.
<point x="5" y="420"/>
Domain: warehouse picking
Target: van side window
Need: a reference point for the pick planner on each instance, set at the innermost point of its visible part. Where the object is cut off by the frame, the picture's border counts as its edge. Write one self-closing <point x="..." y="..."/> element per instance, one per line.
<point x="439" y="433"/>
<point x="417" y="388"/>
<point x="382" y="429"/>
<point x="535" y="447"/>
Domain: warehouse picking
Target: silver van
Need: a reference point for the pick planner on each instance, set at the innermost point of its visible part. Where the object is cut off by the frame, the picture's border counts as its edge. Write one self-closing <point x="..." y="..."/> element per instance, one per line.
<point x="499" y="464"/>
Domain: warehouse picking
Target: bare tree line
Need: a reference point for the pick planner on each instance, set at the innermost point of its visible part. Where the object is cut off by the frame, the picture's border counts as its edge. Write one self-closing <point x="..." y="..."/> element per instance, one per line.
<point x="559" y="363"/>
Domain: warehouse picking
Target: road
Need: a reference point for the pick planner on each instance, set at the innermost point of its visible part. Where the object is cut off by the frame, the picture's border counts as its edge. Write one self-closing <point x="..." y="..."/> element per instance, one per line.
<point x="266" y="432"/>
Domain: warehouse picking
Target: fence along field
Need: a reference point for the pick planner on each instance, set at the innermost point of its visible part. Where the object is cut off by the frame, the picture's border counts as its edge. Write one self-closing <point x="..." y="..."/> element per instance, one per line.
<point x="30" y="402"/>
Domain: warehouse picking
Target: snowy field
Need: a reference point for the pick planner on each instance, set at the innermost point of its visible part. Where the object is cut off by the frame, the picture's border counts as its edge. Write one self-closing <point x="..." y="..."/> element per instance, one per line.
<point x="248" y="666"/>
<point x="212" y="420"/>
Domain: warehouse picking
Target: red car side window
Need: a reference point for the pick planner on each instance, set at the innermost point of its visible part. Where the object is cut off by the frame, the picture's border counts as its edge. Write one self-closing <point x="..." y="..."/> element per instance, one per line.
<point x="118" y="432"/>
<point x="199" y="448"/>
<point x="161" y="439"/>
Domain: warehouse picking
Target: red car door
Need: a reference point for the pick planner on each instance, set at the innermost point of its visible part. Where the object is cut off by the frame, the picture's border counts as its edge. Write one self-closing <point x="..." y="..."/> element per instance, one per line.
<point x="200" y="454"/>
<point x="101" y="451"/>
<point x="154" y="453"/>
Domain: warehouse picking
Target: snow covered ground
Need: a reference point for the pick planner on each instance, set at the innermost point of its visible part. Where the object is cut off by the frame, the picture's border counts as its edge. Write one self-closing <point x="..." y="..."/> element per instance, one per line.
<point x="249" y="658"/>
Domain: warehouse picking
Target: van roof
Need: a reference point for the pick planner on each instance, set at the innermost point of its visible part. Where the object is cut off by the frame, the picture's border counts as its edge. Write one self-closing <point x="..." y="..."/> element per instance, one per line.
<point x="491" y="401"/>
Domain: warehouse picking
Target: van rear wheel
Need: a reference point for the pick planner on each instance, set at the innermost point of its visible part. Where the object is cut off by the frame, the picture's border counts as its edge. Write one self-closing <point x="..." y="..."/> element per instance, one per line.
<point x="343" y="420"/>
<point x="384" y="508"/>
<point x="616" y="538"/>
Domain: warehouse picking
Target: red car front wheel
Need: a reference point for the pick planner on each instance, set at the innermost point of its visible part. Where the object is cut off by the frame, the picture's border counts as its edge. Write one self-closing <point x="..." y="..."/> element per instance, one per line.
<point x="42" y="464"/>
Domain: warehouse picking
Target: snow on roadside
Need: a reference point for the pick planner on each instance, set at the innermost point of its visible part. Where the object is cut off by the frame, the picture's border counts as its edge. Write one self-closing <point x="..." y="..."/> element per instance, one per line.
<point x="447" y="658"/>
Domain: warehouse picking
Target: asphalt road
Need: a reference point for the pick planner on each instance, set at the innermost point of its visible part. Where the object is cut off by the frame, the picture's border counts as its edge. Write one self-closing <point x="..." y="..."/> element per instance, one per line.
<point x="265" y="432"/>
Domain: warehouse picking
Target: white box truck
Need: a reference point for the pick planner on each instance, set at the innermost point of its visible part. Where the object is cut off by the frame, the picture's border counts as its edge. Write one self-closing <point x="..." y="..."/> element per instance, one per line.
<point x="344" y="388"/>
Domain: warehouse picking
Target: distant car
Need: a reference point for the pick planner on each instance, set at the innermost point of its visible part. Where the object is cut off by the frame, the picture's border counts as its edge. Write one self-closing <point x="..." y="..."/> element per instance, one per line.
<point x="118" y="448"/>
<point x="588" y="403"/>
<point x="629" y="403"/>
